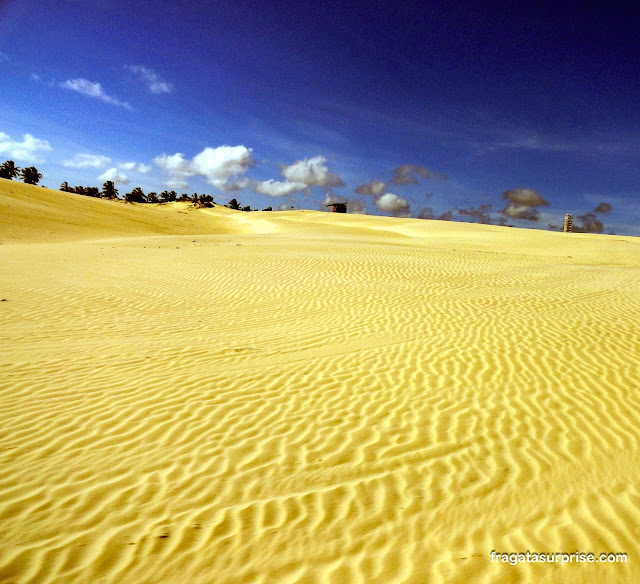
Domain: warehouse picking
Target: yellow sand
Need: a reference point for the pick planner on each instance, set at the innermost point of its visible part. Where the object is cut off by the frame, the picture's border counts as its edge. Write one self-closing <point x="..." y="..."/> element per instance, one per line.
<point x="210" y="396"/>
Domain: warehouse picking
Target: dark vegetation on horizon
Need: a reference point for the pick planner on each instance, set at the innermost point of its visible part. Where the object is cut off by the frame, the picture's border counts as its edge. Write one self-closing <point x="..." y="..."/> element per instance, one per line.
<point x="589" y="222"/>
<point x="30" y="175"/>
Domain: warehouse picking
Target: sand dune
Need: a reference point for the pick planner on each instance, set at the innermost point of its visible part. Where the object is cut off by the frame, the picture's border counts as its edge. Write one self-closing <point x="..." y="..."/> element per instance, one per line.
<point x="214" y="396"/>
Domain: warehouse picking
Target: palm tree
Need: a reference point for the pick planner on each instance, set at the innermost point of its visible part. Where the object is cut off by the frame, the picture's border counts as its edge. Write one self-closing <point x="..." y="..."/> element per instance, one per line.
<point x="109" y="190"/>
<point x="152" y="198"/>
<point x="136" y="196"/>
<point x="65" y="187"/>
<point x="168" y="196"/>
<point x="9" y="170"/>
<point x="30" y="175"/>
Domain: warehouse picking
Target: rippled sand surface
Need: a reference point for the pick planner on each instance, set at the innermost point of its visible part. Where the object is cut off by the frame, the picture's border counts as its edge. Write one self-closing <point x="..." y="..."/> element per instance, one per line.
<point x="209" y="396"/>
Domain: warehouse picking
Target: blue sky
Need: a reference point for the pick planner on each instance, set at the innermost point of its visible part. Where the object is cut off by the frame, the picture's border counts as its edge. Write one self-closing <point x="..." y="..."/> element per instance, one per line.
<point x="447" y="106"/>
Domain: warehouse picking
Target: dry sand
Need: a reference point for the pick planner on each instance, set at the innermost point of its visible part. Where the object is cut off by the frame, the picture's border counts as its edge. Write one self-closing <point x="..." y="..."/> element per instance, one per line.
<point x="210" y="396"/>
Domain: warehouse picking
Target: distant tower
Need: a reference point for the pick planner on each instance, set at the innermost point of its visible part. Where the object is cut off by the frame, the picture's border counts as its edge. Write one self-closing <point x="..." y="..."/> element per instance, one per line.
<point x="568" y="223"/>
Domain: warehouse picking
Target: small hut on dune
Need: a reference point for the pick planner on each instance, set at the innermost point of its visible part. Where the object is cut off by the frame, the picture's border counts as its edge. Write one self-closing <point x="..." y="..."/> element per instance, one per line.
<point x="338" y="207"/>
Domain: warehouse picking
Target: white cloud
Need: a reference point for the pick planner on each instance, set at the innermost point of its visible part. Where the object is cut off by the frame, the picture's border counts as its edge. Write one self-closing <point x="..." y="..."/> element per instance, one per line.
<point x="218" y="165"/>
<point x="26" y="150"/>
<point x="176" y="184"/>
<point x="221" y="163"/>
<point x="91" y="89"/>
<point x="275" y="188"/>
<point x="152" y="79"/>
<point x="114" y="175"/>
<point x="177" y="168"/>
<point x="87" y="161"/>
<point x="391" y="203"/>
<point x="175" y="165"/>
<point x="134" y="166"/>
<point x="299" y="176"/>
<point x="312" y="172"/>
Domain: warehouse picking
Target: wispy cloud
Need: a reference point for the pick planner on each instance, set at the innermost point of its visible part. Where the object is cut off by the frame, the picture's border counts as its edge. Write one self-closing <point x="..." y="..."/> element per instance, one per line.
<point x="93" y="89"/>
<point x="519" y="141"/>
<point x="406" y="174"/>
<point x="486" y="133"/>
<point x="28" y="149"/>
<point x="496" y="138"/>
<point x="154" y="82"/>
<point x="86" y="161"/>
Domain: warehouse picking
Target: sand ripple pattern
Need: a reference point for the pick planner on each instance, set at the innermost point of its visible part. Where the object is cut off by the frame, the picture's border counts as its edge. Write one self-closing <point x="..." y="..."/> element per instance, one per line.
<point x="286" y="408"/>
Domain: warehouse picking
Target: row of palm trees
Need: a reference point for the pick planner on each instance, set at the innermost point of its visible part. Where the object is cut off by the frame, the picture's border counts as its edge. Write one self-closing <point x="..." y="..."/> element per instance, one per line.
<point x="108" y="191"/>
<point x="29" y="175"/>
<point x="137" y="195"/>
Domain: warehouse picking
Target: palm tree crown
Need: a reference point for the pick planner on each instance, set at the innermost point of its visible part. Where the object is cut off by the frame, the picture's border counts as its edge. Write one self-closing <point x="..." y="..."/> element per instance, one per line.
<point x="30" y="175"/>
<point x="9" y="170"/>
